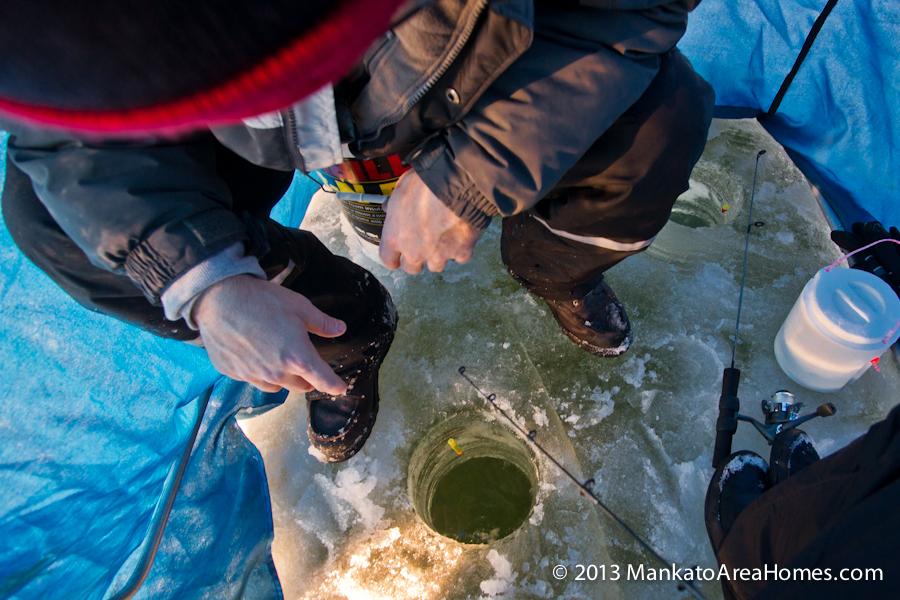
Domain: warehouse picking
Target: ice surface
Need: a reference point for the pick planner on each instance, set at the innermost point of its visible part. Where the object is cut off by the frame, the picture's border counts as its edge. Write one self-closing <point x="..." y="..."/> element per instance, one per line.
<point x="642" y="425"/>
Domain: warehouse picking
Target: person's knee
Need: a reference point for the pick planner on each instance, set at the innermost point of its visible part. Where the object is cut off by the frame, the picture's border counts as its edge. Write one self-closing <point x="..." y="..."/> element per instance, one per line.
<point x="24" y="215"/>
<point x="689" y="100"/>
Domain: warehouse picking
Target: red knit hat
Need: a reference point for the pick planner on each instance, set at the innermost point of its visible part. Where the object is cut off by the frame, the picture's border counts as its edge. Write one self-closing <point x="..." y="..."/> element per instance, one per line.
<point x="169" y="66"/>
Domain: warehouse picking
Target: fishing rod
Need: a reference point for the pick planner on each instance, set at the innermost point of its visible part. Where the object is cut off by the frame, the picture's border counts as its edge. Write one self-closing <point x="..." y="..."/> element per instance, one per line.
<point x="586" y="488"/>
<point x="782" y="412"/>
<point x="729" y="404"/>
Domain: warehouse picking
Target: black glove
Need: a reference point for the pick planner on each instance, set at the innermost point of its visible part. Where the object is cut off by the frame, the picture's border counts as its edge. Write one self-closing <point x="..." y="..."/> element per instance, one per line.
<point x="882" y="259"/>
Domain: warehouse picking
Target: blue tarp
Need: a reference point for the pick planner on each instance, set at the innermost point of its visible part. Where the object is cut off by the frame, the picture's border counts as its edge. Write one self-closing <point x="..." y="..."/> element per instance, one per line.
<point x="93" y="414"/>
<point x="840" y="119"/>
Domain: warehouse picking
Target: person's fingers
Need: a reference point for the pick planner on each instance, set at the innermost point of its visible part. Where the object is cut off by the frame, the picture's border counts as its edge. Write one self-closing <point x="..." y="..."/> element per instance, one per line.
<point x="296" y="384"/>
<point x="436" y="264"/>
<point x="465" y="250"/>
<point x="389" y="258"/>
<point x="410" y="266"/>
<point x="450" y="247"/>
<point x="315" y="371"/>
<point x="463" y="256"/>
<point x="265" y="387"/>
<point x="318" y="322"/>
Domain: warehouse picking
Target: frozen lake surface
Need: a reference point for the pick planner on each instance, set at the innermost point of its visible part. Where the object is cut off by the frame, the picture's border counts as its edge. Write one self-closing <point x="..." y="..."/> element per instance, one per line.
<point x="642" y="425"/>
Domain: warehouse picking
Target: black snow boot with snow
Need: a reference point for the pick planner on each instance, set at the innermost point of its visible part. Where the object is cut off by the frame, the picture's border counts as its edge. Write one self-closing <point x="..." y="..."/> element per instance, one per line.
<point x="739" y="480"/>
<point x="598" y="322"/>
<point x="338" y="426"/>
<point x="792" y="451"/>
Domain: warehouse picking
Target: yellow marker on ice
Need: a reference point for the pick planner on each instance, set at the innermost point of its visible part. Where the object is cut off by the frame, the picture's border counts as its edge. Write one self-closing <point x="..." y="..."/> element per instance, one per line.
<point x="456" y="448"/>
<point x="725" y="207"/>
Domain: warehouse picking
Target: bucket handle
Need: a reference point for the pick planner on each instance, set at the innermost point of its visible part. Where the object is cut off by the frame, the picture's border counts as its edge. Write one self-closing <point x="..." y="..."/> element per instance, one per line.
<point x="848" y="255"/>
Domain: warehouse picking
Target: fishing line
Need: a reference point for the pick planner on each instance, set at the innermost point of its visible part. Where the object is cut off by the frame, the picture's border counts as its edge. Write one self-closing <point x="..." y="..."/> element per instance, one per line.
<point x="586" y="489"/>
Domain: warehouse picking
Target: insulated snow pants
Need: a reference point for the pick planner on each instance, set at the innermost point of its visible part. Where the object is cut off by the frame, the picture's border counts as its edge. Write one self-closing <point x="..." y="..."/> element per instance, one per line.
<point x="332" y="283"/>
<point x="830" y="532"/>
<point x="615" y="200"/>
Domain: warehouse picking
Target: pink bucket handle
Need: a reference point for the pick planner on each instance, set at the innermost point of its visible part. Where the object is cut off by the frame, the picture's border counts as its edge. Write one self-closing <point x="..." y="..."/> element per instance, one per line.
<point x="829" y="268"/>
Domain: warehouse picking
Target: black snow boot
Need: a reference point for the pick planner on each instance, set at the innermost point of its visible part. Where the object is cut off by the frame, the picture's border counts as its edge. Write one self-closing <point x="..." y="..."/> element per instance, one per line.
<point x="338" y="426"/>
<point x="597" y="322"/>
<point x="739" y="480"/>
<point x="792" y="451"/>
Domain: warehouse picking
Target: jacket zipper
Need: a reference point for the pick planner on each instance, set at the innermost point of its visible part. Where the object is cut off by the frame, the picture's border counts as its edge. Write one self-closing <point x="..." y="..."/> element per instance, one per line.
<point x="293" y="142"/>
<point x="454" y="52"/>
<point x="291" y="120"/>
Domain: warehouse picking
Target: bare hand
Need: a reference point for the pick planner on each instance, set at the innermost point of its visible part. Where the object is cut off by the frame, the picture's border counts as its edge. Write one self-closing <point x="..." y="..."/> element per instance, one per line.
<point x="419" y="228"/>
<point x="256" y="331"/>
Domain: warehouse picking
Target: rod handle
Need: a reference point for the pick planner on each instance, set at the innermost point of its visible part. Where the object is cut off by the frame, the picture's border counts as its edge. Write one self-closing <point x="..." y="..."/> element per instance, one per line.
<point x="726" y="424"/>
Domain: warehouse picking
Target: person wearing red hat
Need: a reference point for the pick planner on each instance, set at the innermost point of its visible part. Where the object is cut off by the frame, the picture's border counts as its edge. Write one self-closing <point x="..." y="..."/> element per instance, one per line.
<point x="149" y="144"/>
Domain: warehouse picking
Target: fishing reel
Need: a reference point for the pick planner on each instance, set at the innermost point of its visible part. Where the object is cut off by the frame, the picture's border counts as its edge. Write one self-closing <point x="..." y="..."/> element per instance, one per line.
<point x="782" y="412"/>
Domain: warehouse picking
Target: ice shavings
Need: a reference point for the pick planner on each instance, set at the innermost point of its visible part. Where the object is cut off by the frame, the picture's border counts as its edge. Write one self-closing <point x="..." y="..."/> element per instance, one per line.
<point x="785" y="237"/>
<point x="395" y="565"/>
<point x="647" y="397"/>
<point x="350" y="488"/>
<point x="603" y="406"/>
<point x="635" y="370"/>
<point x="503" y="578"/>
<point x="315" y="452"/>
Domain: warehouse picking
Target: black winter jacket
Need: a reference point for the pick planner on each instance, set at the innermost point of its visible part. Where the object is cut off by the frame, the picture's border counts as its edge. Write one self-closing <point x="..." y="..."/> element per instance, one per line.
<point x="491" y="101"/>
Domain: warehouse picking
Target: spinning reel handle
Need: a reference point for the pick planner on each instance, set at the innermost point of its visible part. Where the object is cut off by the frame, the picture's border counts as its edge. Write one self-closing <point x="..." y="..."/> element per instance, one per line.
<point x="726" y="424"/>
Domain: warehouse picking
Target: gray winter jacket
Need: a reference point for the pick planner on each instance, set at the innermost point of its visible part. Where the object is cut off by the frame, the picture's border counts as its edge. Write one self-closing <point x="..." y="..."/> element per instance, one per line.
<point x="491" y="101"/>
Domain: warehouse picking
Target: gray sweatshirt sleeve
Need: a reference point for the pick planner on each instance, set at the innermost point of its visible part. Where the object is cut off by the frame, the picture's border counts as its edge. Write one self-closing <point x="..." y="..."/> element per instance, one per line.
<point x="179" y="298"/>
<point x="584" y="69"/>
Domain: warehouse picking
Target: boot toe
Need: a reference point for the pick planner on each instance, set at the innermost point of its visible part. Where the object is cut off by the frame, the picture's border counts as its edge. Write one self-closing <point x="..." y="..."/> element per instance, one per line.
<point x="739" y="480"/>
<point x="598" y="322"/>
<point x="338" y="426"/>
<point x="792" y="451"/>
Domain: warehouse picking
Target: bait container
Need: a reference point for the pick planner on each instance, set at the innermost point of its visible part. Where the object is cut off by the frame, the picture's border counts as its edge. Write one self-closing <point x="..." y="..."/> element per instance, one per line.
<point x="837" y="329"/>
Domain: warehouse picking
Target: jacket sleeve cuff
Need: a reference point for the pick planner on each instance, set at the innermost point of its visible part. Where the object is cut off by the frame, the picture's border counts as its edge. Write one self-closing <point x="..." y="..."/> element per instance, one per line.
<point x="453" y="186"/>
<point x="156" y="262"/>
<point x="179" y="298"/>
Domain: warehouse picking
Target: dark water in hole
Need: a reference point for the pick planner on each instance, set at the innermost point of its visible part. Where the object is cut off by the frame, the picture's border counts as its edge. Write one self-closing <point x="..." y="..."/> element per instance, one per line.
<point x="481" y="500"/>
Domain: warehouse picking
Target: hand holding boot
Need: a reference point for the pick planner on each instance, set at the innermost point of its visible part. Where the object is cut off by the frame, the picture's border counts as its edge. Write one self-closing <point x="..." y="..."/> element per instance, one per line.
<point x="257" y="331"/>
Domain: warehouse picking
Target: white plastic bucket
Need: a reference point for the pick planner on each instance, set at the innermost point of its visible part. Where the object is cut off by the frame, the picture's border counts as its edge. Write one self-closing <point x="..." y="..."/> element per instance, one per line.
<point x="838" y="326"/>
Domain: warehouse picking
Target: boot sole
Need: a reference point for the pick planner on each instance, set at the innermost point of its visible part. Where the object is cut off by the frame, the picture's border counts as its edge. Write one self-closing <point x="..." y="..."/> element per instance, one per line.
<point x="600" y="351"/>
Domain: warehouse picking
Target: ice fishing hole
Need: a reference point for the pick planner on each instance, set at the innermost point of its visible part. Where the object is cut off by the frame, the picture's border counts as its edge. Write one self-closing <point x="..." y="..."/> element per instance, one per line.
<point x="702" y="206"/>
<point x="479" y="489"/>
